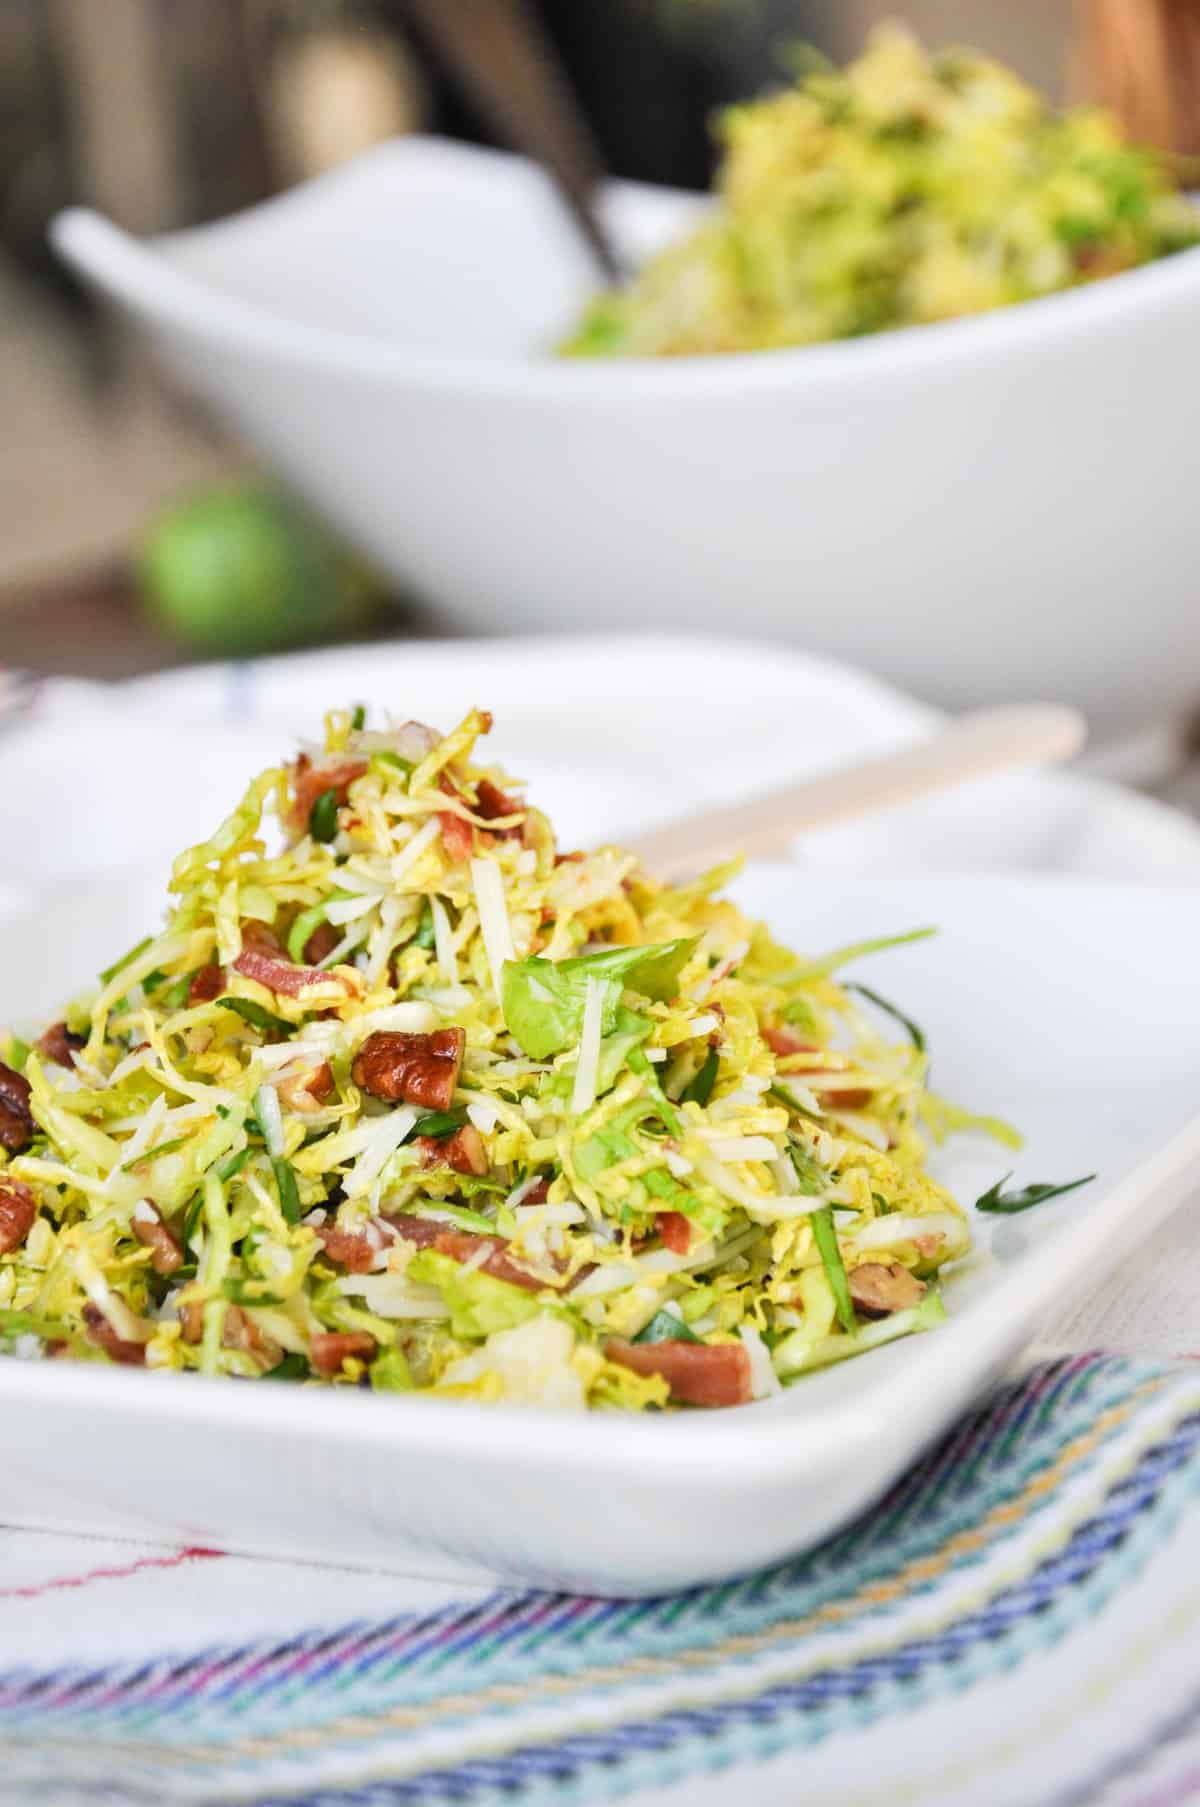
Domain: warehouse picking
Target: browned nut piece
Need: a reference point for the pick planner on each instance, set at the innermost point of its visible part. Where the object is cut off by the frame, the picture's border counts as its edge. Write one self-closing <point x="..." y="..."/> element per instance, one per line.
<point x="413" y="1069"/>
<point x="60" y="1045"/>
<point x="18" y="1208"/>
<point x="877" y="1290"/>
<point x="464" y="1151"/>
<point x="16" y="1117"/>
<point x="166" y="1252"/>
<point x="307" y="1091"/>
<point x="207" y="983"/>
<point x="330" y="1348"/>
<point x="117" y="1348"/>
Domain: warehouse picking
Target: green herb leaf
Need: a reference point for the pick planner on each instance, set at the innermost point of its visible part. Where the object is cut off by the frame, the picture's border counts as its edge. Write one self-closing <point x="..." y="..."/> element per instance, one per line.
<point x="323" y="816"/>
<point x="110" y="972"/>
<point x="289" y="1196"/>
<point x="699" y="1089"/>
<point x="292" y="1367"/>
<point x="234" y="1164"/>
<point x="257" y="1017"/>
<point x="544" y="999"/>
<point x="1007" y="1204"/>
<point x="424" y="936"/>
<point x="825" y="1237"/>
<point x="152" y="1154"/>
<point x="665" y="1327"/>
<point x="437" y="1124"/>
<point x="915" y="1033"/>
<point x="358" y="717"/>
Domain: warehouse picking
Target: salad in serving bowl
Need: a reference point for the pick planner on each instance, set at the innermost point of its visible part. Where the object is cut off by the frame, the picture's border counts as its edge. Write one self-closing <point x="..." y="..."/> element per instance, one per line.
<point x="405" y="1096"/>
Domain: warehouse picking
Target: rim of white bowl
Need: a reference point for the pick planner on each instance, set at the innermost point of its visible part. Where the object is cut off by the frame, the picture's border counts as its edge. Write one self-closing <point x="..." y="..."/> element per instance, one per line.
<point x="140" y="276"/>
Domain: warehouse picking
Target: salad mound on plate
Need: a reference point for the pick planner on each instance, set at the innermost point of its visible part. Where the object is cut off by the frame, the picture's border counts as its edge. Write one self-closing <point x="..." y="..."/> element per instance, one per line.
<point x="412" y="1099"/>
<point x="904" y="189"/>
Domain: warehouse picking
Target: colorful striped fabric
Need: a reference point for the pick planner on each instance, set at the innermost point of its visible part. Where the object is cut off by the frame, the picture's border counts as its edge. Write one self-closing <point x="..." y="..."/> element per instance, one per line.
<point x="1017" y="1622"/>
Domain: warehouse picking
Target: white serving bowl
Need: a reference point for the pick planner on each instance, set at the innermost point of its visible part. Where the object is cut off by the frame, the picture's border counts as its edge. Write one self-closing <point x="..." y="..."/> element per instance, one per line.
<point x="995" y="506"/>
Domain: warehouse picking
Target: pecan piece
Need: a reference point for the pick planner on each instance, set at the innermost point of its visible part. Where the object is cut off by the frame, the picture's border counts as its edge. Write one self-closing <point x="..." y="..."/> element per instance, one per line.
<point x="16" y="1117"/>
<point x="207" y="983"/>
<point x="411" y="1068"/>
<point x="60" y="1045"/>
<point x="330" y="1348"/>
<point x="18" y="1208"/>
<point x="351" y="1249"/>
<point x="877" y="1290"/>
<point x="117" y="1348"/>
<point x="166" y="1252"/>
<point x="464" y="1151"/>
<point x="493" y="802"/>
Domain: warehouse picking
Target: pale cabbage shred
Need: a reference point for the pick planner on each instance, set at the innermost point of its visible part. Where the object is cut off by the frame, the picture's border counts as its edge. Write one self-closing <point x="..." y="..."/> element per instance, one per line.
<point x="205" y="1086"/>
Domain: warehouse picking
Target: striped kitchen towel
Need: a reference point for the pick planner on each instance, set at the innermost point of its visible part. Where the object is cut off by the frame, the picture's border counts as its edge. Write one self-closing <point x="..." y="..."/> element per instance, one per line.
<point x="1017" y="1623"/>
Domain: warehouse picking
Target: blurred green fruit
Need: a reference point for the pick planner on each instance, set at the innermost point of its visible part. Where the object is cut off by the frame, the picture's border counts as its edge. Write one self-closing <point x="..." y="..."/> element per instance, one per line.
<point x="244" y="569"/>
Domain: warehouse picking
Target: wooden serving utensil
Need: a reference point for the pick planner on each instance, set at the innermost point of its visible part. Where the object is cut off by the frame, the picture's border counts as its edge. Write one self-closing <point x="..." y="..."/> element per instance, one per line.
<point x="505" y="62"/>
<point x="972" y="746"/>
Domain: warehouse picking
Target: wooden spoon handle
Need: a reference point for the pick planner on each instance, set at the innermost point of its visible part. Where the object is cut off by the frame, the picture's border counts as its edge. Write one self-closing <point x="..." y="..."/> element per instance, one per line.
<point x="973" y="746"/>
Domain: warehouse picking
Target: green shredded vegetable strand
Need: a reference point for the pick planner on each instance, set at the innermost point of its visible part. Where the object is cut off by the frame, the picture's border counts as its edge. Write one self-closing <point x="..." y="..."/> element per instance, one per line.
<point x="258" y="1017"/>
<point x="292" y="1367"/>
<point x="118" y="966"/>
<point x="830" y="963"/>
<point x="915" y="1033"/>
<point x="323" y="817"/>
<point x="825" y="1237"/>
<point x="289" y="1196"/>
<point x="358" y="717"/>
<point x="437" y="1125"/>
<point x="302" y="929"/>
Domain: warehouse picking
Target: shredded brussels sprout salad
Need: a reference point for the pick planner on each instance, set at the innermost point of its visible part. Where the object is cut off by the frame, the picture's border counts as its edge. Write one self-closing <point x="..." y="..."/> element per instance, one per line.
<point x="413" y="1100"/>
<point x="907" y="188"/>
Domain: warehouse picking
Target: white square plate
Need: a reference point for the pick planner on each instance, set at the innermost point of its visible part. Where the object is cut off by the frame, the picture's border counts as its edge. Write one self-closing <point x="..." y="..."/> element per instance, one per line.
<point x="1073" y="1009"/>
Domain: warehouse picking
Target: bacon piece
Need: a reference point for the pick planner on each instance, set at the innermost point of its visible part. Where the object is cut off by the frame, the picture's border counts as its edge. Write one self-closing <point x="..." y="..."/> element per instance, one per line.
<point x="330" y="1348"/>
<point x="307" y="1090"/>
<point x="410" y="1068"/>
<point x="877" y="1290"/>
<point x="348" y="1248"/>
<point x="208" y="983"/>
<point x="464" y="1151"/>
<point x="537" y="1195"/>
<point x="60" y="1045"/>
<point x="263" y="960"/>
<point x="460" y="1245"/>
<point x="18" y="1208"/>
<point x="458" y="836"/>
<point x="697" y="1373"/>
<point x="320" y="943"/>
<point x="493" y="802"/>
<point x="16" y="1117"/>
<point x="166" y="1251"/>
<point x="312" y="781"/>
<point x="675" y="1232"/>
<point x="117" y="1348"/>
<point x="783" y="1041"/>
